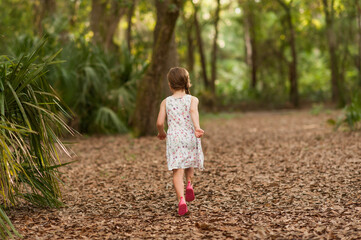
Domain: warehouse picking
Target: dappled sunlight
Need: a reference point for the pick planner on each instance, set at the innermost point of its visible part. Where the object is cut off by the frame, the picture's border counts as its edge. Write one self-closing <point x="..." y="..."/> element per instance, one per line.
<point x="107" y="96"/>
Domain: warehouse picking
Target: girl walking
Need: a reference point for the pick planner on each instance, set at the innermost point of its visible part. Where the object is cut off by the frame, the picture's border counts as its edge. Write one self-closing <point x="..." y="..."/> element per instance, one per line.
<point x="184" y="150"/>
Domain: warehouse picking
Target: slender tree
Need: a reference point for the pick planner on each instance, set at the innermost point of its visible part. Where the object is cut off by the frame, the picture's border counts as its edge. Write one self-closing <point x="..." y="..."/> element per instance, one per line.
<point x="190" y="50"/>
<point x="215" y="49"/>
<point x="292" y="42"/>
<point x="328" y="8"/>
<point x="130" y="24"/>
<point x="250" y="38"/>
<point x="43" y="9"/>
<point x="189" y="25"/>
<point x="172" y="61"/>
<point x="149" y="90"/>
<point x="104" y="19"/>
<point x="358" y="14"/>
<point x="200" y="44"/>
<point x="74" y="8"/>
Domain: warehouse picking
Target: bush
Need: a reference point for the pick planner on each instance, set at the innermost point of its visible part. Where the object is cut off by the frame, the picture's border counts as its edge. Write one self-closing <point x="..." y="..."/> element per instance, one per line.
<point x="31" y="119"/>
<point x="351" y="117"/>
<point x="98" y="86"/>
<point x="317" y="108"/>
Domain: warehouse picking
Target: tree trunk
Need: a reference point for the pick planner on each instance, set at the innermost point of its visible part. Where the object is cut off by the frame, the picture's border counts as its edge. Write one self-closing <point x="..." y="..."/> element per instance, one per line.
<point x="149" y="90"/>
<point x="104" y="19"/>
<point x="358" y="9"/>
<point x="129" y="28"/>
<point x="254" y="58"/>
<point x="250" y="41"/>
<point x="343" y="94"/>
<point x="200" y="47"/>
<point x="281" y="66"/>
<point x="74" y="12"/>
<point x="190" y="49"/>
<point x="332" y="48"/>
<point x="43" y="9"/>
<point x="215" y="49"/>
<point x="96" y="15"/>
<point x="172" y="61"/>
<point x="293" y="64"/>
<point x="190" y="41"/>
<point x="172" y="56"/>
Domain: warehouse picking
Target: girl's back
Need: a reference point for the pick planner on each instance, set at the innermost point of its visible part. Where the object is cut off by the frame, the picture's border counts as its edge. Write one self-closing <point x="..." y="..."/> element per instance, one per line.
<point x="178" y="114"/>
<point x="183" y="147"/>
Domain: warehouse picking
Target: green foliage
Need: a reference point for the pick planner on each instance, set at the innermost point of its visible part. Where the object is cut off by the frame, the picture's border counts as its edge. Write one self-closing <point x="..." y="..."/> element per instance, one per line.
<point x="352" y="115"/>
<point x="7" y="229"/>
<point x="220" y="115"/>
<point x="317" y="108"/>
<point x="314" y="77"/>
<point x="100" y="87"/>
<point x="31" y="119"/>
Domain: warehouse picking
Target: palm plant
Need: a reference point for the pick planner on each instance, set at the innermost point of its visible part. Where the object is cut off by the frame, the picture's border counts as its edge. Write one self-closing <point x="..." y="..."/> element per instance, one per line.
<point x="31" y="119"/>
<point x="100" y="87"/>
<point x="352" y="114"/>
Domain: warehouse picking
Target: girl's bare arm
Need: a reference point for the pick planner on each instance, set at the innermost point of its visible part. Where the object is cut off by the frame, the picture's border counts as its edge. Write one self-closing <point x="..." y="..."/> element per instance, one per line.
<point x="195" y="117"/>
<point x="161" y="120"/>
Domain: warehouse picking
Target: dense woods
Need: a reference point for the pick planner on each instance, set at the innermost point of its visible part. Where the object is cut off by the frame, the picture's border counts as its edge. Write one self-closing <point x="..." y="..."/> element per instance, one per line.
<point x="241" y="54"/>
<point x="100" y="66"/>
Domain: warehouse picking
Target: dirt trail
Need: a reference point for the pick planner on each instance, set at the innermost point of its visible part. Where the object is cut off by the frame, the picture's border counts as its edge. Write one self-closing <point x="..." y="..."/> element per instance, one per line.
<point x="268" y="175"/>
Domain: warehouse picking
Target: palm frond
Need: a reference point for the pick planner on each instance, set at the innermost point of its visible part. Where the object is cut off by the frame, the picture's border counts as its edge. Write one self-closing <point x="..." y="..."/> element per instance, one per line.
<point x="30" y="125"/>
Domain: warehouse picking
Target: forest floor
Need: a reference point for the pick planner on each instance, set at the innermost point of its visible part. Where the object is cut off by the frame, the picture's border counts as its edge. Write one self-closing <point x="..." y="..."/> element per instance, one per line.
<point x="274" y="175"/>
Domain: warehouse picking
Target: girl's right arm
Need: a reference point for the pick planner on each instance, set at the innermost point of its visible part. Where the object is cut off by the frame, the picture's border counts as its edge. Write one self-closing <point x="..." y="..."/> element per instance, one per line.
<point x="195" y="117"/>
<point x="160" y="121"/>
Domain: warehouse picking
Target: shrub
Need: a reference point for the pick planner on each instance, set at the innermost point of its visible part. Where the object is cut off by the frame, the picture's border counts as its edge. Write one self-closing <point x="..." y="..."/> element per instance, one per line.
<point x="352" y="115"/>
<point x="99" y="87"/>
<point x="31" y="119"/>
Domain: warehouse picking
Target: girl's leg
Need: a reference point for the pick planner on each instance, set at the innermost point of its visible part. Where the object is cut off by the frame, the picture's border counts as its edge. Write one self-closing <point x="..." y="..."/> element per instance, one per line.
<point x="189" y="174"/>
<point x="178" y="182"/>
<point x="189" y="191"/>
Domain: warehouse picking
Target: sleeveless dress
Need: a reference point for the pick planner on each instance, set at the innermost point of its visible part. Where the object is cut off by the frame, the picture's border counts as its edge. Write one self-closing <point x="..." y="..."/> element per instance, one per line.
<point x="184" y="149"/>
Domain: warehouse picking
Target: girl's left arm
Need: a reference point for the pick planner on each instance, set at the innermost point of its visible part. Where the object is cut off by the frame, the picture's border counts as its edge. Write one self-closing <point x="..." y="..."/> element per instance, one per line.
<point x="195" y="117"/>
<point x="160" y="121"/>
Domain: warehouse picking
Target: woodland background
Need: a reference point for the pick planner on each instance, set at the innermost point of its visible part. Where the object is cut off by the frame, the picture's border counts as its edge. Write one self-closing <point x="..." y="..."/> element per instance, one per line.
<point x="99" y="67"/>
<point x="241" y="55"/>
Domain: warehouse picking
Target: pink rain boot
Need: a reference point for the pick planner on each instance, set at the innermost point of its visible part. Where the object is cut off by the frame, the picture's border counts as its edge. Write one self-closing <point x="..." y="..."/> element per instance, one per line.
<point x="189" y="193"/>
<point x="182" y="207"/>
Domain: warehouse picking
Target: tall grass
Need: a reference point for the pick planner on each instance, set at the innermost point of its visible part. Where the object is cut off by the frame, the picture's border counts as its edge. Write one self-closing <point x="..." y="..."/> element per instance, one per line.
<point x="31" y="121"/>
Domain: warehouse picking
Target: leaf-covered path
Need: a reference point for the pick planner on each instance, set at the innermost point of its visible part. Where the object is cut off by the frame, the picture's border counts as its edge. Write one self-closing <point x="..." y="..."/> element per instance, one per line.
<point x="268" y="175"/>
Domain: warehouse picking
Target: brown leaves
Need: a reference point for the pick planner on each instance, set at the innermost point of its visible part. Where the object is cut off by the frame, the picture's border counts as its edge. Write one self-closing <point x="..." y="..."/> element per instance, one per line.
<point x="203" y="226"/>
<point x="268" y="176"/>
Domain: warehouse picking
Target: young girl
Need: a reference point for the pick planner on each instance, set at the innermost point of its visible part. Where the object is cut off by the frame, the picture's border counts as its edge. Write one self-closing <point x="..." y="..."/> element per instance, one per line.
<point x="184" y="150"/>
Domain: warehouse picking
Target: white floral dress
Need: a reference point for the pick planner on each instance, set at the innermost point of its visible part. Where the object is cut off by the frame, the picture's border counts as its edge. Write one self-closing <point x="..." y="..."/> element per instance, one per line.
<point x="184" y="149"/>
